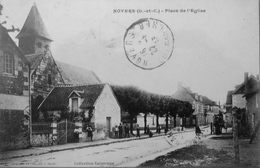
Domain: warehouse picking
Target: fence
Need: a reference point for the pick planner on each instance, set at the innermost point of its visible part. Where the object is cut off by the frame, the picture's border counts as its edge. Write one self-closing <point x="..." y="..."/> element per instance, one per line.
<point x="41" y="128"/>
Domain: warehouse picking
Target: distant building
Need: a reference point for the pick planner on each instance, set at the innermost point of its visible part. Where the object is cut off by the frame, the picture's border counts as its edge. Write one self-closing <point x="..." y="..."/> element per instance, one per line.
<point x="201" y="104"/>
<point x="95" y="99"/>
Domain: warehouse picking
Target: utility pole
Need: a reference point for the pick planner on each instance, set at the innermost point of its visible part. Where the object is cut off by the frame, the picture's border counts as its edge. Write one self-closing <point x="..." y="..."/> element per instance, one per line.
<point x="235" y="136"/>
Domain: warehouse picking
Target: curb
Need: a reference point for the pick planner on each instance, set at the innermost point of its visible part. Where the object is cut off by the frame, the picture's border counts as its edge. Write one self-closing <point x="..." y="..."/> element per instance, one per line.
<point x="93" y="145"/>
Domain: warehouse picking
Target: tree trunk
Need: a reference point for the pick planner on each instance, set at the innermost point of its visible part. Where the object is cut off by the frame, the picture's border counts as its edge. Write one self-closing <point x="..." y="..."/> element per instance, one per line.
<point x="131" y="125"/>
<point x="167" y="116"/>
<point x="235" y="138"/>
<point x="157" y="122"/>
<point x="174" y="118"/>
<point x="145" y="122"/>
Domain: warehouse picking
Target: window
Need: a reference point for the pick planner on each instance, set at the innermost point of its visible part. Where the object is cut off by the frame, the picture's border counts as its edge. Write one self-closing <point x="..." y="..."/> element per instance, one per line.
<point x="74" y="104"/>
<point x="8" y="63"/>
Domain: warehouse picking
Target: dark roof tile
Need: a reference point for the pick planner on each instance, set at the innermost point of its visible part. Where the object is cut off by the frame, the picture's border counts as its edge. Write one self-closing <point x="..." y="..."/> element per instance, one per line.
<point x="58" y="97"/>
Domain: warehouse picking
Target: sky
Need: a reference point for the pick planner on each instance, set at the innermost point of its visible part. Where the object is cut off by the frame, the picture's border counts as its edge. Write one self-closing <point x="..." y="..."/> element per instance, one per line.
<point x="213" y="47"/>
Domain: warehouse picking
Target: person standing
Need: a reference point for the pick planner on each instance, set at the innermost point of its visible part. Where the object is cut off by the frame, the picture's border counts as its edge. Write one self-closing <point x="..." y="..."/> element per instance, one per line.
<point x="90" y="132"/>
<point x="137" y="131"/>
<point x="127" y="131"/>
<point x="159" y="129"/>
<point x="120" y="128"/>
<point x="116" y="131"/>
<point x="147" y="129"/>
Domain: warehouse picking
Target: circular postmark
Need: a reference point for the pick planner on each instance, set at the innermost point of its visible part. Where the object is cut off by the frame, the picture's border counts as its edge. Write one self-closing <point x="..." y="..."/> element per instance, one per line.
<point x="148" y="43"/>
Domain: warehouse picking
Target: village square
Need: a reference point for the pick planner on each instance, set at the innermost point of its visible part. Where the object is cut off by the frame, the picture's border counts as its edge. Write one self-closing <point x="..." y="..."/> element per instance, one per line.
<point x="57" y="114"/>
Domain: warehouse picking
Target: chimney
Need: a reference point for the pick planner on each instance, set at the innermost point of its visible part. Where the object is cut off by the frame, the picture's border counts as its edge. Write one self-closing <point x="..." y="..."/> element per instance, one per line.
<point x="179" y="85"/>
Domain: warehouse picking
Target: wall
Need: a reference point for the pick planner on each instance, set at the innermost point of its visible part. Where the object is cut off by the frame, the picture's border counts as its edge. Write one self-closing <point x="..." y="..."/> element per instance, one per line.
<point x="14" y="133"/>
<point x="238" y="101"/>
<point x="17" y="83"/>
<point x="106" y="106"/>
<point x="41" y="140"/>
<point x="253" y="110"/>
<point x="40" y="78"/>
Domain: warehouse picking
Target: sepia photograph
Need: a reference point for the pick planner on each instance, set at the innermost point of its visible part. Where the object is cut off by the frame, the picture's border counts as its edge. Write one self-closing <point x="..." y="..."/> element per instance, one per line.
<point x="119" y="83"/>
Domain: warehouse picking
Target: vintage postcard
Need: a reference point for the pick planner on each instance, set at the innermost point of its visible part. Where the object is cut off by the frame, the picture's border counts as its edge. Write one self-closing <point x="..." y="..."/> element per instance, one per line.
<point x="117" y="83"/>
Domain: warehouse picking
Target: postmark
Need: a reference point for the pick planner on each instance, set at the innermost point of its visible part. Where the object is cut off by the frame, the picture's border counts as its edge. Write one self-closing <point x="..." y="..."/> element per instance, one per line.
<point x="148" y="43"/>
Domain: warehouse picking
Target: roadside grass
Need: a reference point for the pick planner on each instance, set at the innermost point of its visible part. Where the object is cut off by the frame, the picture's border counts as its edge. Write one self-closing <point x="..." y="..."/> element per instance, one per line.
<point x="195" y="155"/>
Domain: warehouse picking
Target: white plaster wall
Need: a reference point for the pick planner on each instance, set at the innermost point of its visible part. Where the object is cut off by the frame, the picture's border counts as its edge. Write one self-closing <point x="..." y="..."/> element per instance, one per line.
<point x="106" y="106"/>
<point x="13" y="102"/>
<point x="238" y="101"/>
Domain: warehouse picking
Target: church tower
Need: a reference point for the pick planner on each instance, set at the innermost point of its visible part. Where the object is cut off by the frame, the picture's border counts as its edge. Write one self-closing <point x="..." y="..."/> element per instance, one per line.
<point x="34" y="38"/>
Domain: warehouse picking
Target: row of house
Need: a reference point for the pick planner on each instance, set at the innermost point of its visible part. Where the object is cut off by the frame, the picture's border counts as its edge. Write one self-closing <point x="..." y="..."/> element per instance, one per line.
<point x="33" y="83"/>
<point x="246" y="97"/>
<point x="204" y="108"/>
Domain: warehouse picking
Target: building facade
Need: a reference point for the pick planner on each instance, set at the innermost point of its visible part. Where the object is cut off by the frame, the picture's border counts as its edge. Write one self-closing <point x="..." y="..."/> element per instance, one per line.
<point x="14" y="94"/>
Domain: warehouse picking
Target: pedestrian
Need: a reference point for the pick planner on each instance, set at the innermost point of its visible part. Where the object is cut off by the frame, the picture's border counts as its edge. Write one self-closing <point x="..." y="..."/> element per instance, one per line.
<point x="127" y="131"/>
<point x="211" y="128"/>
<point x="116" y="131"/>
<point x="137" y="131"/>
<point x="90" y="132"/>
<point x="147" y="129"/>
<point x="76" y="134"/>
<point x="197" y="130"/>
<point x="159" y="129"/>
<point x="150" y="134"/>
<point x="120" y="128"/>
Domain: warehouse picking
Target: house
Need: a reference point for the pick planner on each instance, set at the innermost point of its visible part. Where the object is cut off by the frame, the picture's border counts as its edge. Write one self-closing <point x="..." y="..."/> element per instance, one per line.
<point x="245" y="97"/>
<point x="96" y="103"/>
<point x="185" y="94"/>
<point x="228" y="114"/>
<point x="249" y="100"/>
<point x="14" y="94"/>
<point x="252" y="96"/>
<point x="35" y="43"/>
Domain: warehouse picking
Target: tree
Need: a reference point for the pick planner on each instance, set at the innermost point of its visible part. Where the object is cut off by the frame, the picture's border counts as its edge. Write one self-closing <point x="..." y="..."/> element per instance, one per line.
<point x="184" y="110"/>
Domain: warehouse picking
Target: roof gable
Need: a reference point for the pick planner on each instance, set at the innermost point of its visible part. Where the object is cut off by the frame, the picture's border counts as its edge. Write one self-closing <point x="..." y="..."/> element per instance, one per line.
<point x="184" y="95"/>
<point x="58" y="98"/>
<point x="34" y="25"/>
<point x="7" y="43"/>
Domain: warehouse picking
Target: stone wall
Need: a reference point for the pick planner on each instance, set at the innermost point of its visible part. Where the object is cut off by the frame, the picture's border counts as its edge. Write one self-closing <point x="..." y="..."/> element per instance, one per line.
<point x="16" y="83"/>
<point x="14" y="133"/>
<point x="41" y="140"/>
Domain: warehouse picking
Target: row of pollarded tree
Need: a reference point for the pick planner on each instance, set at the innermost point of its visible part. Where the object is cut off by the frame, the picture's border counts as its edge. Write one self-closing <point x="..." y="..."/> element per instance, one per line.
<point x="134" y="101"/>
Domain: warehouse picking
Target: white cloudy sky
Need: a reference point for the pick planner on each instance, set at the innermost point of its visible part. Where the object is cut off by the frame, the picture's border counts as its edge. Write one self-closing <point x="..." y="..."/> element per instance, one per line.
<point x="212" y="50"/>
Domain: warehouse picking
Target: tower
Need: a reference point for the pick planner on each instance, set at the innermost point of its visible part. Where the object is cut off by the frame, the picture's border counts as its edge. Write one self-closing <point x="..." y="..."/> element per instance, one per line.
<point x="34" y="38"/>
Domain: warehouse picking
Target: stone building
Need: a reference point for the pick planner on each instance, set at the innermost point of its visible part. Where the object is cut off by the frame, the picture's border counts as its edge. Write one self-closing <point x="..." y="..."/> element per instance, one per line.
<point x="95" y="103"/>
<point x="35" y="43"/>
<point x="14" y="94"/>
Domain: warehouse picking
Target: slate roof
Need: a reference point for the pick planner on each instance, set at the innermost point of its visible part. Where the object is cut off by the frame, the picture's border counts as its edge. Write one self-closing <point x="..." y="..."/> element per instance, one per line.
<point x="253" y="86"/>
<point x="71" y="74"/>
<point x="5" y="39"/>
<point x="34" y="25"/>
<point x="58" y="99"/>
<point x="75" y="75"/>
<point x="206" y="100"/>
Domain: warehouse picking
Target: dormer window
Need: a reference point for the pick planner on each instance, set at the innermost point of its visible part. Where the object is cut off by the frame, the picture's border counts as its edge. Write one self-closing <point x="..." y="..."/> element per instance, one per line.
<point x="8" y="63"/>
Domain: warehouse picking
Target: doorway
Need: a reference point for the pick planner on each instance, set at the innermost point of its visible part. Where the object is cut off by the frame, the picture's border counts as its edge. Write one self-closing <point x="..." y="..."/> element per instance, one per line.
<point x="109" y="127"/>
